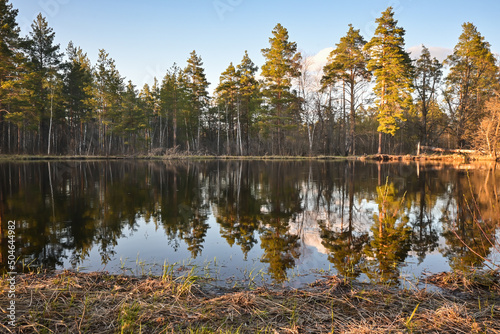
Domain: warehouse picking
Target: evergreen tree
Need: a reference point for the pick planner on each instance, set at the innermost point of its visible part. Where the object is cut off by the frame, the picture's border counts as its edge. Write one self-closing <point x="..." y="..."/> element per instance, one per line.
<point x="281" y="67"/>
<point x="470" y="82"/>
<point x="237" y="96"/>
<point x="132" y="121"/>
<point x="43" y="65"/>
<point x="391" y="66"/>
<point x="173" y="94"/>
<point x="77" y="91"/>
<point x="9" y="45"/>
<point x="427" y="77"/>
<point x="197" y="86"/>
<point x="9" y="42"/>
<point x="249" y="96"/>
<point x="347" y="63"/>
<point x="149" y="99"/>
<point x="228" y="99"/>
<point x="108" y="87"/>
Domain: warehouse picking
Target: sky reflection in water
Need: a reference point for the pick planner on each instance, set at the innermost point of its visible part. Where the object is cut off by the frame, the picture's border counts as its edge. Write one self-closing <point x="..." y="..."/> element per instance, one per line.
<point x="276" y="222"/>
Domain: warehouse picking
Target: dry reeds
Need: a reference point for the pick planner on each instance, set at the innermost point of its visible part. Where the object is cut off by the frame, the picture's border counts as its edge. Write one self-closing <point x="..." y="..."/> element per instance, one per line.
<point x="71" y="302"/>
<point x="470" y="281"/>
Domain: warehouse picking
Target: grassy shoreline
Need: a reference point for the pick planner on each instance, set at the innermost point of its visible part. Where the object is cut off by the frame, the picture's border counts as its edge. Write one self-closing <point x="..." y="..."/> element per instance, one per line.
<point x="423" y="158"/>
<point x="69" y="302"/>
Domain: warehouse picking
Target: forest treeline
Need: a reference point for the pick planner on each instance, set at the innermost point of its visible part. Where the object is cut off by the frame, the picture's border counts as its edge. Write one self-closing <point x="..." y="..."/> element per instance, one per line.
<point x="370" y="97"/>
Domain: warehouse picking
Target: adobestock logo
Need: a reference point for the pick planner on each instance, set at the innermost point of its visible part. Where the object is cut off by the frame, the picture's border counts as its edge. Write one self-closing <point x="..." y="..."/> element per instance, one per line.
<point x="222" y="7"/>
<point x="51" y="8"/>
<point x="48" y="9"/>
<point x="370" y="27"/>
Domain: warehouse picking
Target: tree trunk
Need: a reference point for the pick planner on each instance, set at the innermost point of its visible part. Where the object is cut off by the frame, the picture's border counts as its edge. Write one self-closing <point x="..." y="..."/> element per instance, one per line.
<point x="344" y="122"/>
<point x="352" y="128"/>
<point x="50" y="122"/>
<point x="228" y="149"/>
<point x="379" y="143"/>
<point x="239" y="130"/>
<point x="218" y="131"/>
<point x="174" y="127"/>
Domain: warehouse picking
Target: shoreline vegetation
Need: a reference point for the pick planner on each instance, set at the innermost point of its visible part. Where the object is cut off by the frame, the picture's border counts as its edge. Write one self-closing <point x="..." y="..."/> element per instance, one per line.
<point x="422" y="158"/>
<point x="99" y="302"/>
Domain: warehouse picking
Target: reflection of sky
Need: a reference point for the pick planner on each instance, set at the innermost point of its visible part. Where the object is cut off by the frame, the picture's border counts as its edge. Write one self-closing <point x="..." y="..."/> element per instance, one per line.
<point x="146" y="249"/>
<point x="151" y="247"/>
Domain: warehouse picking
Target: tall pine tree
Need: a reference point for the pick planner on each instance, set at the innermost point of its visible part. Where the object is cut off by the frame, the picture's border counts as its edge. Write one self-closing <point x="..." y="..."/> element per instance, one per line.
<point x="107" y="95"/>
<point x="347" y="63"/>
<point x="197" y="86"/>
<point x="249" y="96"/>
<point x="228" y="99"/>
<point x="470" y="83"/>
<point x="281" y="67"/>
<point x="44" y="60"/>
<point x="427" y="78"/>
<point x="132" y="122"/>
<point x="172" y="100"/>
<point x="9" y="45"/>
<point x="392" y="68"/>
<point x="77" y="92"/>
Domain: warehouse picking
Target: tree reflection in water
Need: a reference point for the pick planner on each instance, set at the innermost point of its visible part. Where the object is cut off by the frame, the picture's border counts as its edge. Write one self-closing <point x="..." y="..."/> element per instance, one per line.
<point x="470" y="220"/>
<point x="390" y="241"/>
<point x="276" y="213"/>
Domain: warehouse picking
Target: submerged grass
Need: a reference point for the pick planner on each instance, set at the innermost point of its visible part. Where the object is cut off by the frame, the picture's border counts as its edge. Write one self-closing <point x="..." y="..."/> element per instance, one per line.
<point x="467" y="281"/>
<point x="70" y="302"/>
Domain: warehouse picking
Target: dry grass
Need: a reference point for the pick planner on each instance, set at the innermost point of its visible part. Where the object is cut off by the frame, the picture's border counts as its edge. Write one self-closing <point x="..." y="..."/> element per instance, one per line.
<point x="475" y="280"/>
<point x="102" y="303"/>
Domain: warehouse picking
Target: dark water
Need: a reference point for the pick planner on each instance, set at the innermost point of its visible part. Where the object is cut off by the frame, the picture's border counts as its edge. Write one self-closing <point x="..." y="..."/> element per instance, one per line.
<point x="246" y="221"/>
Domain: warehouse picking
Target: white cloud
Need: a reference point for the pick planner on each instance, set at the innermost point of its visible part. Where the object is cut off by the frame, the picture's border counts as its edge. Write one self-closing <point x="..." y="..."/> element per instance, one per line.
<point x="319" y="60"/>
<point x="436" y="51"/>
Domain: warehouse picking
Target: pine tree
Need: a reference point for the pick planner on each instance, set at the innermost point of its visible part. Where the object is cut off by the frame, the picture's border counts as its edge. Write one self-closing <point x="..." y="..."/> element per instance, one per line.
<point x="228" y="99"/>
<point x="132" y="121"/>
<point x="9" y="41"/>
<point x="237" y="94"/>
<point x="427" y="77"/>
<point x="470" y="82"/>
<point x="281" y="67"/>
<point x="197" y="86"/>
<point x="108" y="87"/>
<point x="77" y="91"/>
<point x="347" y="63"/>
<point x="173" y="96"/>
<point x="43" y="64"/>
<point x="391" y="66"/>
<point x="149" y="99"/>
<point x="249" y="95"/>
<point x="9" y="46"/>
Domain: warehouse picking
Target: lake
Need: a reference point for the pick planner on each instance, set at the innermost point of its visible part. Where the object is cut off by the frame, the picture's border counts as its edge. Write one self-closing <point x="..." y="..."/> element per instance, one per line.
<point x="252" y="222"/>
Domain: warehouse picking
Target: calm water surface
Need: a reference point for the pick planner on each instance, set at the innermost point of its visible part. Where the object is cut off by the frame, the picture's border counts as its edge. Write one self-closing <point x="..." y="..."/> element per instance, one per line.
<point x="247" y="222"/>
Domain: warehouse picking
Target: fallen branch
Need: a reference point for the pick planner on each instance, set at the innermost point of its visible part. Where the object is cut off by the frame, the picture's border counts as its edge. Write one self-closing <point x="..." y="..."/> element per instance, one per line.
<point x="438" y="149"/>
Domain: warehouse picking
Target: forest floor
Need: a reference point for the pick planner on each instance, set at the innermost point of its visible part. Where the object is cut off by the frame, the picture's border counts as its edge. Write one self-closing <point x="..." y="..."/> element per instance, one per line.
<point x="70" y="302"/>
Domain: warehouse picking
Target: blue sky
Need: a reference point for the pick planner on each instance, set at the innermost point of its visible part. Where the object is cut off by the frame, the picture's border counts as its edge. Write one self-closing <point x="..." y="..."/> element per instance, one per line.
<point x="146" y="37"/>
